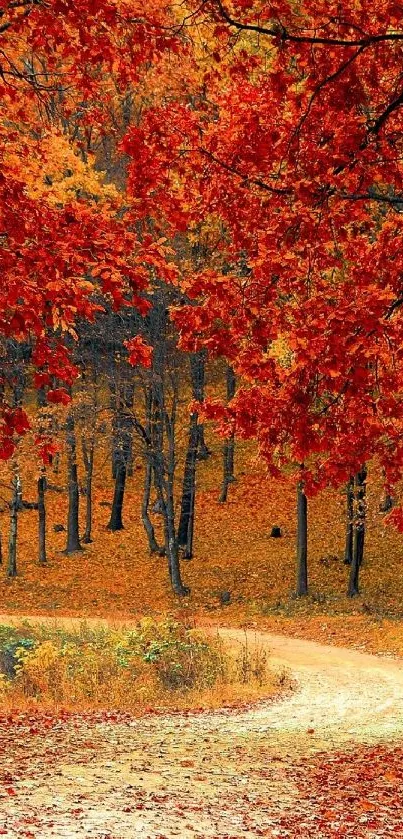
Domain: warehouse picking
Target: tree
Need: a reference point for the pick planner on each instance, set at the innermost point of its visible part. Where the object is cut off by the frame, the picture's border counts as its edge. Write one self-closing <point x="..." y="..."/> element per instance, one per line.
<point x="298" y="155"/>
<point x="58" y="243"/>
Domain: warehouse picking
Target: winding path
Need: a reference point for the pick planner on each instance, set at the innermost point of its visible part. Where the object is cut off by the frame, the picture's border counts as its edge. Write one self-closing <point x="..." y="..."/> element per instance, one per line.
<point x="218" y="774"/>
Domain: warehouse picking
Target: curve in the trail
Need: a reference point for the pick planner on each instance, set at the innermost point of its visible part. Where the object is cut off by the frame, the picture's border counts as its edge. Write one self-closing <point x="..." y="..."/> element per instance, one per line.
<point x="341" y="694"/>
<point x="215" y="774"/>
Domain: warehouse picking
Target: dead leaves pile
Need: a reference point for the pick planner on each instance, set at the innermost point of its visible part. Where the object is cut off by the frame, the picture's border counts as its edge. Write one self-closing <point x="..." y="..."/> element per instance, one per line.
<point x="91" y="778"/>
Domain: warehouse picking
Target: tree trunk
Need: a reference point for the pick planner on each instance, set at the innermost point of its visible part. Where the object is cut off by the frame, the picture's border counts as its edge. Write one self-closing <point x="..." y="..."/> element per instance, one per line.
<point x="359" y="533"/>
<point x="197" y="373"/>
<point x="56" y="457"/>
<point x="73" y="533"/>
<point x="148" y="526"/>
<point x="348" y="550"/>
<point x="197" y="450"/>
<point x="41" y="520"/>
<point x="12" y="540"/>
<point x="115" y="521"/>
<point x="162" y="448"/>
<point x="172" y="545"/>
<point x="121" y="459"/>
<point x="229" y="445"/>
<point x="302" y="541"/>
<point x="186" y="521"/>
<point x="20" y="504"/>
<point x="122" y="401"/>
<point x="169" y="505"/>
<point x="88" y="457"/>
<point x="148" y="477"/>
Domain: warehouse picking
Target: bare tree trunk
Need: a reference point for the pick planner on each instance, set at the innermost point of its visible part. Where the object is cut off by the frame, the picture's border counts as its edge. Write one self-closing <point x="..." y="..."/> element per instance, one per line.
<point x="348" y="551"/>
<point x="42" y="520"/>
<point x="302" y="541"/>
<point x="73" y="533"/>
<point x="171" y="542"/>
<point x="229" y="444"/>
<point x="13" y="533"/>
<point x="56" y="457"/>
<point x="359" y="532"/>
<point x="171" y="545"/>
<point x="146" y="434"/>
<point x="116" y="521"/>
<point x="148" y="526"/>
<point x="122" y="455"/>
<point x="186" y="522"/>
<point x="122" y="403"/>
<point x="20" y="503"/>
<point x="88" y="457"/>
<point x="198" y="377"/>
<point x="163" y="428"/>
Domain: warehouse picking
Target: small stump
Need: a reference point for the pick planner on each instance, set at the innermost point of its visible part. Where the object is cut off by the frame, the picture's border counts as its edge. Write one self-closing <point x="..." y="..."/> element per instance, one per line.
<point x="276" y="532"/>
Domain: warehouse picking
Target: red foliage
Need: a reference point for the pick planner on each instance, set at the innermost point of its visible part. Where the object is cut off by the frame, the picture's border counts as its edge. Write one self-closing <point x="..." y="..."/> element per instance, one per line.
<point x="297" y="161"/>
<point x="53" y="257"/>
<point x="140" y="353"/>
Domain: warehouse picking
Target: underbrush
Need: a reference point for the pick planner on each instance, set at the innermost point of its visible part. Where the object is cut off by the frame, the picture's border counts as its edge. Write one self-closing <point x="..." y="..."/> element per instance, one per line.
<point x="157" y="664"/>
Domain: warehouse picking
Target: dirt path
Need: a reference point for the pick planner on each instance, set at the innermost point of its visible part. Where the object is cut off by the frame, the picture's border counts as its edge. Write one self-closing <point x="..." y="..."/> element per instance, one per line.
<point x="217" y="774"/>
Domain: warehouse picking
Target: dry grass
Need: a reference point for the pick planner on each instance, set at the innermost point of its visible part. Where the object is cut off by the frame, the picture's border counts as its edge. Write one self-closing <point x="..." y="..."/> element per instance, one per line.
<point x="154" y="665"/>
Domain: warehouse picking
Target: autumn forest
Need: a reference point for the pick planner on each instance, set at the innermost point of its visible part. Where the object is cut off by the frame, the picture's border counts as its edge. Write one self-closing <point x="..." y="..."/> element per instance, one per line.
<point x="201" y="427"/>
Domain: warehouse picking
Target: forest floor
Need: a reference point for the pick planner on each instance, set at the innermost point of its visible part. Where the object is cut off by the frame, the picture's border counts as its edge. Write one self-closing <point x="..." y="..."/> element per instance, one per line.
<point x="116" y="578"/>
<point x="325" y="760"/>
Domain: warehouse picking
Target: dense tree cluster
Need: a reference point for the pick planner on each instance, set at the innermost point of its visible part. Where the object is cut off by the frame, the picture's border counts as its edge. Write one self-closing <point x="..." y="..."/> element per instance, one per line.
<point x="209" y="179"/>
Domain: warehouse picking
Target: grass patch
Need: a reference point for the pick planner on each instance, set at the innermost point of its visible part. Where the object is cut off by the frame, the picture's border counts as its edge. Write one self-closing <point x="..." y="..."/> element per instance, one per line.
<point x="156" y="664"/>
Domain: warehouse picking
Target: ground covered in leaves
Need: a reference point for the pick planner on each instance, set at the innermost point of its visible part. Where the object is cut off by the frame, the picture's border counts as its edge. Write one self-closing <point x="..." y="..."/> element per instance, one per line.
<point x="324" y="761"/>
<point x="234" y="553"/>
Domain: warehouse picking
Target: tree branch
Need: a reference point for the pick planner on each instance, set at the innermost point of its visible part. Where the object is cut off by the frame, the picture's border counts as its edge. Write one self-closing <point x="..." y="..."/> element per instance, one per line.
<point x="246" y="178"/>
<point x="284" y="35"/>
<point x="393" y="106"/>
<point x="393" y="200"/>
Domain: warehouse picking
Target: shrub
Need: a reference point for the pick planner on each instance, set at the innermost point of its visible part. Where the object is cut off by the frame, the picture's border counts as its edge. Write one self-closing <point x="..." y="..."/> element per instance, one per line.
<point x="181" y="659"/>
<point x="107" y="668"/>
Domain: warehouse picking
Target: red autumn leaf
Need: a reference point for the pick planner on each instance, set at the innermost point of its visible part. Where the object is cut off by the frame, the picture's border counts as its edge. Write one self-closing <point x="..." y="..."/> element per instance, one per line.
<point x="140" y="353"/>
<point x="58" y="395"/>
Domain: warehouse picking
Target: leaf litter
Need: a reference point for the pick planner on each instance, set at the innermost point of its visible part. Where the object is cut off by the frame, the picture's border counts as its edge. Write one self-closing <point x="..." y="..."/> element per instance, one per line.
<point x="325" y="761"/>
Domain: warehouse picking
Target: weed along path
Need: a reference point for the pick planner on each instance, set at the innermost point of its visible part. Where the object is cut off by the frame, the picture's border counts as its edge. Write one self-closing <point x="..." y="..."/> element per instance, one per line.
<point x="323" y="761"/>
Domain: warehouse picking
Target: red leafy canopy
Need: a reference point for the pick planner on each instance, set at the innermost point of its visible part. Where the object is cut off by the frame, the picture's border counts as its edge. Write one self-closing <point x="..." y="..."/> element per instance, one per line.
<point x="291" y="146"/>
<point x="54" y="256"/>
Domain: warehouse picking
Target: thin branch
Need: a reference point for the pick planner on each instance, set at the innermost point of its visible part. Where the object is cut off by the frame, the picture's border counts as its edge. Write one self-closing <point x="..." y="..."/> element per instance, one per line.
<point x="393" y="200"/>
<point x="245" y="178"/>
<point x="392" y="308"/>
<point x="284" y="35"/>
<point x="328" y="80"/>
<point x="393" y="106"/>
